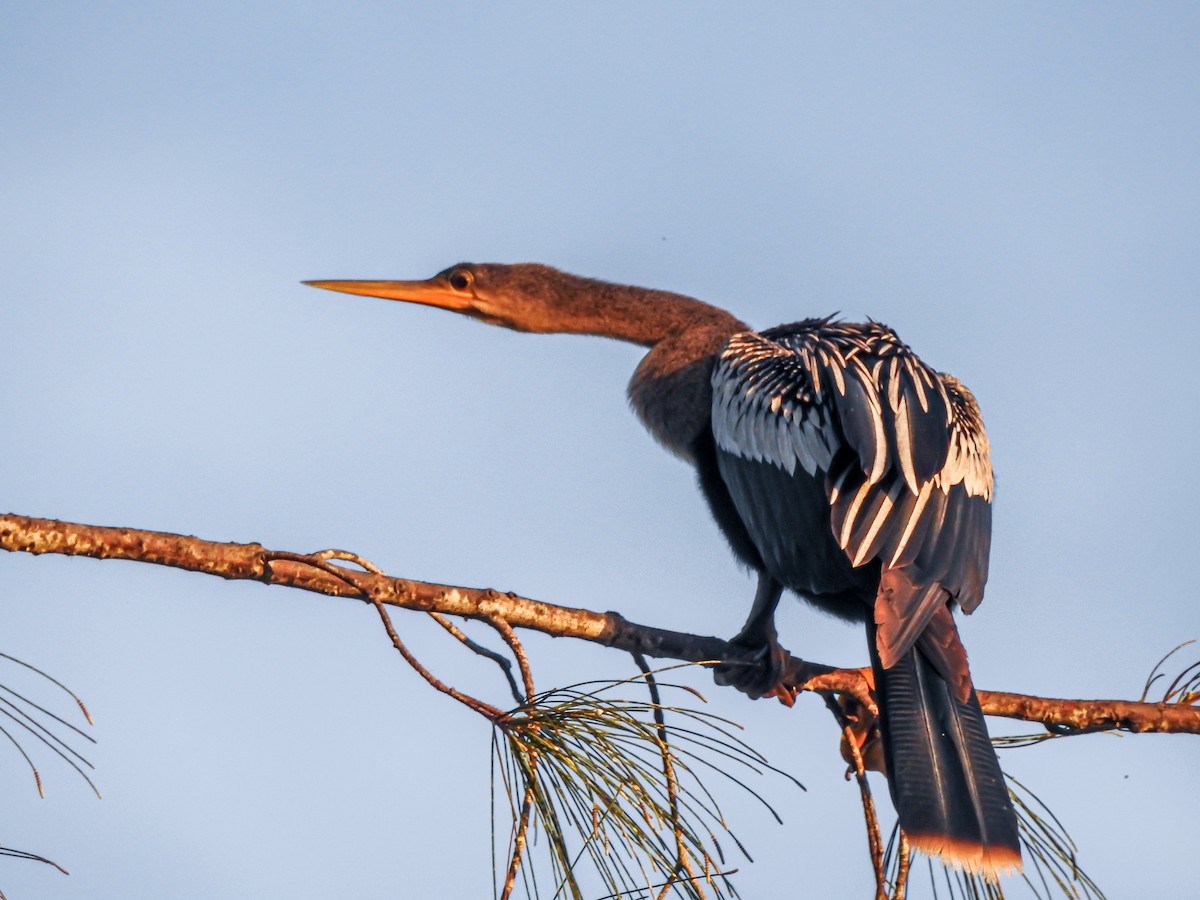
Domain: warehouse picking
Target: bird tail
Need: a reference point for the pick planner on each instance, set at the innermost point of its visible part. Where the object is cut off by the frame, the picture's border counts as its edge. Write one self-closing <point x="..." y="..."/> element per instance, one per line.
<point x="944" y="776"/>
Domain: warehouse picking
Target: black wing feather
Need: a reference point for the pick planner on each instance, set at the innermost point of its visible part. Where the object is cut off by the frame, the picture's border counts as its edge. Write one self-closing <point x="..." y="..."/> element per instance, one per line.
<point x="863" y="479"/>
<point x="899" y="448"/>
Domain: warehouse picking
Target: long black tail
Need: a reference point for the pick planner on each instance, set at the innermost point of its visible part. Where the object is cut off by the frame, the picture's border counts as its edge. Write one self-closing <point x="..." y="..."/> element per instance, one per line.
<point x="944" y="777"/>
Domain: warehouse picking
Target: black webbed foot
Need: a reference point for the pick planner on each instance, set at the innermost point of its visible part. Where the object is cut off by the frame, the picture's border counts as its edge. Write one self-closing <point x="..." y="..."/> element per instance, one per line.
<point x="757" y="668"/>
<point x="757" y="663"/>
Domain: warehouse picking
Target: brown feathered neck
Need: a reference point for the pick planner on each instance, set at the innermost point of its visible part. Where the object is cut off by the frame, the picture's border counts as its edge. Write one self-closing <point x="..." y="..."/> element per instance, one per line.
<point x="538" y="298"/>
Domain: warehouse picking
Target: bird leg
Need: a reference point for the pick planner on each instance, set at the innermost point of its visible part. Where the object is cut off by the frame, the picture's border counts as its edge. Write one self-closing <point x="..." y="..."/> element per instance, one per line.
<point x="861" y="726"/>
<point x="757" y="663"/>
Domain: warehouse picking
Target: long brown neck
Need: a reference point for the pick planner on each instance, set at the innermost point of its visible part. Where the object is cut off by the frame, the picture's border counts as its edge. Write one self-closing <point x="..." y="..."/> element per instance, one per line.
<point x="638" y="315"/>
<point x="671" y="389"/>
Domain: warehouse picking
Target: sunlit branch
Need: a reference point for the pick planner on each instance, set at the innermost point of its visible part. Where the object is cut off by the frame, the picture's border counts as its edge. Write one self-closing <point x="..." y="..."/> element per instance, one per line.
<point x="314" y="573"/>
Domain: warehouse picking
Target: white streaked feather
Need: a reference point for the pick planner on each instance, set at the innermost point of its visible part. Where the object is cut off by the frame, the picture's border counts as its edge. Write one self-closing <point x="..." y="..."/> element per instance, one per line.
<point x="893" y="383"/>
<point x="852" y="514"/>
<point x="919" y="384"/>
<point x="759" y="433"/>
<point x="745" y="432"/>
<point x="797" y="440"/>
<point x="839" y="379"/>
<point x="786" y="458"/>
<point x="904" y="447"/>
<point x="732" y="439"/>
<point x="814" y="372"/>
<point x="860" y="555"/>
<point x="820" y="442"/>
<point x="835" y="489"/>
<point x="761" y="425"/>
<point x="720" y="422"/>
<point x="879" y="451"/>
<point x="966" y="464"/>
<point x="913" y="518"/>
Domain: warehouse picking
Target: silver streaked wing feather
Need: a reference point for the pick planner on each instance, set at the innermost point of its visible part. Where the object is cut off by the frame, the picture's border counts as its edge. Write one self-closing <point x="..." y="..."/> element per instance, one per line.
<point x="916" y="490"/>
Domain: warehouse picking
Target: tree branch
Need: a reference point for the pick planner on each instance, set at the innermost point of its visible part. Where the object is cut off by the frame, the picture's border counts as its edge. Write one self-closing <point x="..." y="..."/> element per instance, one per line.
<point x="253" y="562"/>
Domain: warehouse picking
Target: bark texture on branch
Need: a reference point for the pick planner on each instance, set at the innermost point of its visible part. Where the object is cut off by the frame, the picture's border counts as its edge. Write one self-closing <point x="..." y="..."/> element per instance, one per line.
<point x="254" y="562"/>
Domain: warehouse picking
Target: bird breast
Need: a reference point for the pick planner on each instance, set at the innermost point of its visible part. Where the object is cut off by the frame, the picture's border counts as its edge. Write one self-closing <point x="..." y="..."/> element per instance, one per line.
<point x="671" y="391"/>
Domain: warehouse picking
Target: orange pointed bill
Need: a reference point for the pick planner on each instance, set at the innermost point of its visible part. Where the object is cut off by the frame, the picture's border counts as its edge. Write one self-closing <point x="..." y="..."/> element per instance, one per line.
<point x="432" y="292"/>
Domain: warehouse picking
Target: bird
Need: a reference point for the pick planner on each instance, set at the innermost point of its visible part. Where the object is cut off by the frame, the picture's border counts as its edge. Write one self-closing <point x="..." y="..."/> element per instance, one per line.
<point x="839" y="467"/>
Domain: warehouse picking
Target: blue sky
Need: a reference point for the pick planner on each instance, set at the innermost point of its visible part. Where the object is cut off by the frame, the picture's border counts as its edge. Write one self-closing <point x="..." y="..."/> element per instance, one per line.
<point x="1013" y="187"/>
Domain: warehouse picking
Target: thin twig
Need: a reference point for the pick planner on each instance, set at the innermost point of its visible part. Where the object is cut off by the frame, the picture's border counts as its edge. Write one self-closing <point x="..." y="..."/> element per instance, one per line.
<point x="514" y="644"/>
<point x="901" y="885"/>
<point x="63" y="756"/>
<point x="13" y="709"/>
<point x="87" y="715"/>
<point x="45" y="712"/>
<point x="348" y="556"/>
<point x="25" y="854"/>
<point x="683" y="861"/>
<point x="321" y="561"/>
<point x="37" y="778"/>
<point x="510" y="877"/>
<point x="874" y="840"/>
<point x="484" y="709"/>
<point x="499" y="659"/>
<point x="706" y="876"/>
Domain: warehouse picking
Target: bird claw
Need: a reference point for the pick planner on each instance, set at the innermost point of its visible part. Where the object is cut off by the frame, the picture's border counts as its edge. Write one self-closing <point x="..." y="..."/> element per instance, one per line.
<point x="756" y="668"/>
<point x="862" y="727"/>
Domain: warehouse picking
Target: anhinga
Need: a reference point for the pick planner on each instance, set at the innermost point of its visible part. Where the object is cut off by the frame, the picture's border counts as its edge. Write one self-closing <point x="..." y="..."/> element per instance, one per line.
<point x="839" y="466"/>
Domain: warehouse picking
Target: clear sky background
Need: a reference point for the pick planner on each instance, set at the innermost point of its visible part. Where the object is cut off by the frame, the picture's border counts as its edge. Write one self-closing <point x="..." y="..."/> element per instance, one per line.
<point x="1014" y="187"/>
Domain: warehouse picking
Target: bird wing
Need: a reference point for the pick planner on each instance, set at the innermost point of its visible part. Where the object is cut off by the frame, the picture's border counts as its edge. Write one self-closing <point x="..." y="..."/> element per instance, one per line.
<point x="899" y="448"/>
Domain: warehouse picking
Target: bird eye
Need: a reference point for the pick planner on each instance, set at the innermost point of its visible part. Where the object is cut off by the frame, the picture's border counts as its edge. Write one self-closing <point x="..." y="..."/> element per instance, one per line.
<point x="460" y="280"/>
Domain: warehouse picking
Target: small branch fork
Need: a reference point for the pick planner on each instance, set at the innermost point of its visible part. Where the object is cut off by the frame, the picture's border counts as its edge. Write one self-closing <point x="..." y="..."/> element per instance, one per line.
<point x="851" y="745"/>
<point x="861" y="749"/>
<point x="319" y="574"/>
<point x="322" y="561"/>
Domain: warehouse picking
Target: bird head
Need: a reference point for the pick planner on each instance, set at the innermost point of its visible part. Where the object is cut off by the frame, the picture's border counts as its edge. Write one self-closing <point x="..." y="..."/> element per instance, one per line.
<point x="524" y="297"/>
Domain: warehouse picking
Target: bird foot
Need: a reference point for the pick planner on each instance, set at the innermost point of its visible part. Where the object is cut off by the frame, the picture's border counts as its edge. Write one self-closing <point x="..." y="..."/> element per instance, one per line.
<point x="756" y="668"/>
<point x="862" y="728"/>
